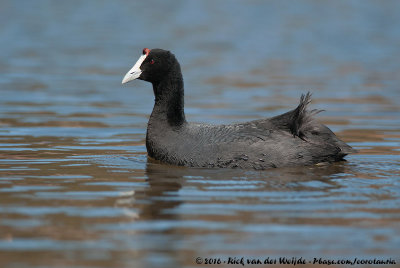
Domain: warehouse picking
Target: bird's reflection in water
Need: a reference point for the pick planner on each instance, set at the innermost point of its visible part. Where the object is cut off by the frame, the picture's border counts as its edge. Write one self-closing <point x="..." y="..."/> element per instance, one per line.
<point x="165" y="182"/>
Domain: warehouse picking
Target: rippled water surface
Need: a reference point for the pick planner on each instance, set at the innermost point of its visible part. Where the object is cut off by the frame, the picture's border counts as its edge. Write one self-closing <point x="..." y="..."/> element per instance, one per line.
<point x="77" y="189"/>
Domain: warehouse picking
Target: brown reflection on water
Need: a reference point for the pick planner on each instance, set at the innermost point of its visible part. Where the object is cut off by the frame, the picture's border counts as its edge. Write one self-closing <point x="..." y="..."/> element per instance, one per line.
<point x="49" y="196"/>
<point x="70" y="197"/>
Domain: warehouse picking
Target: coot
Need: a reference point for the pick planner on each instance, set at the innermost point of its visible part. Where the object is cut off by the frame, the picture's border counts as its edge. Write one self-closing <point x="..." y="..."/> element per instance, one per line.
<point x="291" y="139"/>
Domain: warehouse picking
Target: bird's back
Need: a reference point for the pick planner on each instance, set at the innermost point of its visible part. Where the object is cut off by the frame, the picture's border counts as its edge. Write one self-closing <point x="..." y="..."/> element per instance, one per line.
<point x="290" y="139"/>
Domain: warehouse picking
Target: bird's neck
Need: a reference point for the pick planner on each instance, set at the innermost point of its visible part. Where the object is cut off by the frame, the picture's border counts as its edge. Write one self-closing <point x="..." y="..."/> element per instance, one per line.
<point x="169" y="99"/>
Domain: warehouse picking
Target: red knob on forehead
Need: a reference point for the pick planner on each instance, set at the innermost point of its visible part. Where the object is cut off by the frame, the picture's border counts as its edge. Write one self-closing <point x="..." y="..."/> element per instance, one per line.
<point x="146" y="51"/>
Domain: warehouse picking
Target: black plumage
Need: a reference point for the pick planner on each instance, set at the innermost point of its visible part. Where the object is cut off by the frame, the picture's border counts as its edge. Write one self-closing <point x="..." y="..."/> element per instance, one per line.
<point x="294" y="138"/>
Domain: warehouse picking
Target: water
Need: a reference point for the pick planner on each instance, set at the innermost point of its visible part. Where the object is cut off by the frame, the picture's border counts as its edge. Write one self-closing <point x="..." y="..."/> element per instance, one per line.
<point x="77" y="190"/>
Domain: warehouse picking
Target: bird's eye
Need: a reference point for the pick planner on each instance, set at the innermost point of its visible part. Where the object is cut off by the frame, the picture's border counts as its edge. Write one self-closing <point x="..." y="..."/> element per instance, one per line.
<point x="151" y="61"/>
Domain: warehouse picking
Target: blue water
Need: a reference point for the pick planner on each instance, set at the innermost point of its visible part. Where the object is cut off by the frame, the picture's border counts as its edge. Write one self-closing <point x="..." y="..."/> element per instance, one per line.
<point x="77" y="189"/>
